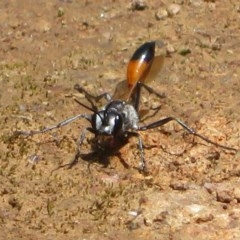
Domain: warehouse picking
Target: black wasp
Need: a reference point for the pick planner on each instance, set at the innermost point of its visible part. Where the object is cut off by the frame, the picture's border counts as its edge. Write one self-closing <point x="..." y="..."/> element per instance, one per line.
<point x="120" y="118"/>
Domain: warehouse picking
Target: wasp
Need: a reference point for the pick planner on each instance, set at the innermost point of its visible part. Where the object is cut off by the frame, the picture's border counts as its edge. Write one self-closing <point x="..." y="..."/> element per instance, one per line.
<point x="120" y="118"/>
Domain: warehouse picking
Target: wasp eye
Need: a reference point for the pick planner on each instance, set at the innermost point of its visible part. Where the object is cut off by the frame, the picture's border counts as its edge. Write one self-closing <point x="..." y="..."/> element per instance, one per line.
<point x="97" y="120"/>
<point x="111" y="124"/>
<point x="117" y="124"/>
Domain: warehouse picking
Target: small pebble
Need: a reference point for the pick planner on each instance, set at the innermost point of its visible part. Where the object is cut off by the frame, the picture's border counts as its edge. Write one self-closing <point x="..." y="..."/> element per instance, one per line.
<point x="139" y="5"/>
<point x="161" y="14"/>
<point x="224" y="196"/>
<point x="205" y="218"/>
<point x="210" y="187"/>
<point x="60" y="12"/>
<point x="173" y="9"/>
<point x="161" y="216"/>
<point x="179" y="185"/>
<point x="170" y="49"/>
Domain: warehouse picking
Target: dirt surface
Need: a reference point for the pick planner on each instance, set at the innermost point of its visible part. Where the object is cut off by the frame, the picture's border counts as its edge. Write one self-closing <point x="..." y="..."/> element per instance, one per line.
<point x="192" y="188"/>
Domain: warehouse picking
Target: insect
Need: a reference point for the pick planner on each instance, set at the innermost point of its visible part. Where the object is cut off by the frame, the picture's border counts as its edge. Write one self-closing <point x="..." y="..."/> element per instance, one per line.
<point x="120" y="118"/>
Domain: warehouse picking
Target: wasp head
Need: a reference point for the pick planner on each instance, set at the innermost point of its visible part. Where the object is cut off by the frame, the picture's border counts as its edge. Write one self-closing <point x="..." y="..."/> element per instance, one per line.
<point x="107" y="122"/>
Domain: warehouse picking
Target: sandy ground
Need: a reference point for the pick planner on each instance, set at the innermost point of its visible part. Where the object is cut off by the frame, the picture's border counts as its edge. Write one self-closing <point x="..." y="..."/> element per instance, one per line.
<point x="191" y="190"/>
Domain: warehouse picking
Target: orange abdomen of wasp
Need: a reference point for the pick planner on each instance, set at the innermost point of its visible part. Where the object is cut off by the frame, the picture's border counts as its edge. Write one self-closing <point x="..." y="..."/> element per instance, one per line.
<point x="140" y="63"/>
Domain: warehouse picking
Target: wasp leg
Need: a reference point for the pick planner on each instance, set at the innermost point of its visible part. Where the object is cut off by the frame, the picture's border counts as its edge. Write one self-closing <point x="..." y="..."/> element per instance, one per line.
<point x="186" y="127"/>
<point x="142" y="164"/>
<point x="90" y="97"/>
<point x="137" y="94"/>
<point x="59" y="125"/>
<point x="151" y="90"/>
<point x="78" y="152"/>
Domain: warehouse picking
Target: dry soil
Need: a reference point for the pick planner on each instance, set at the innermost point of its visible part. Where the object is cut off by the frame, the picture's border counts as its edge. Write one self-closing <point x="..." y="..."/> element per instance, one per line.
<point x="191" y="190"/>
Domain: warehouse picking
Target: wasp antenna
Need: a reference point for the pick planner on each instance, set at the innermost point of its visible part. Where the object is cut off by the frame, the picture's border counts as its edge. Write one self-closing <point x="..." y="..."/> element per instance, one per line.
<point x="85" y="106"/>
<point x="91" y="109"/>
<point x="47" y="129"/>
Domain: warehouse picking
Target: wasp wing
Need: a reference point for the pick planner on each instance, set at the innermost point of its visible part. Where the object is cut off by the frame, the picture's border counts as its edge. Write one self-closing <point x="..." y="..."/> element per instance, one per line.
<point x="124" y="90"/>
<point x="156" y="67"/>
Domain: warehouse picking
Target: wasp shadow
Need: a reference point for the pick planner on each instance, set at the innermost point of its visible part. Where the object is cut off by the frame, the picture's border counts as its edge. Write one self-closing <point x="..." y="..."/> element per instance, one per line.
<point x="99" y="153"/>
